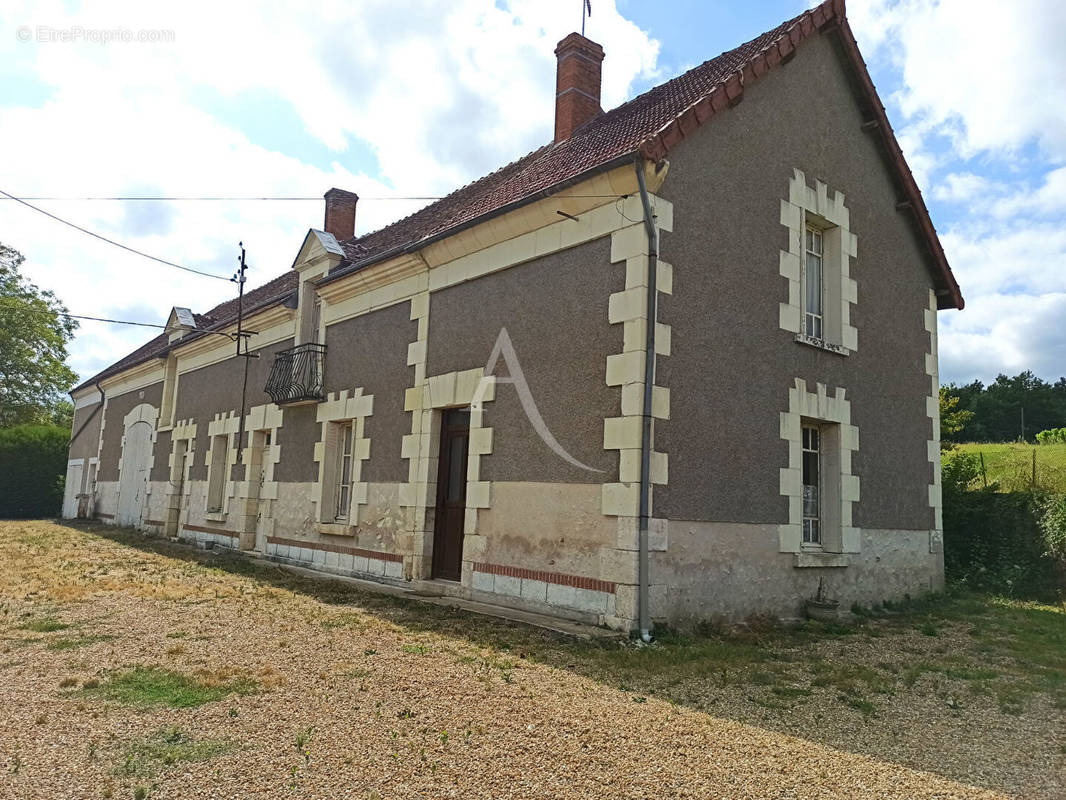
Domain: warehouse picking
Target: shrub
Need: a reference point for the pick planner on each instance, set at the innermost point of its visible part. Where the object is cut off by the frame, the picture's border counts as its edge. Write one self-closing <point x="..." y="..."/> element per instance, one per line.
<point x="1011" y="543"/>
<point x="1052" y="436"/>
<point x="1053" y="524"/>
<point x="959" y="470"/>
<point x="33" y="462"/>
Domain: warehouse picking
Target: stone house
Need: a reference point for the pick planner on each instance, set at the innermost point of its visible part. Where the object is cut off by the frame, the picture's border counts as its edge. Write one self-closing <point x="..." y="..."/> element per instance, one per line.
<point x="472" y="402"/>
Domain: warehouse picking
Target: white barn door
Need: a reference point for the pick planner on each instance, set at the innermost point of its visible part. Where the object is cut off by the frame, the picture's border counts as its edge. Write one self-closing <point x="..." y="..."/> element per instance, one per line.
<point x="72" y="487"/>
<point x="133" y="475"/>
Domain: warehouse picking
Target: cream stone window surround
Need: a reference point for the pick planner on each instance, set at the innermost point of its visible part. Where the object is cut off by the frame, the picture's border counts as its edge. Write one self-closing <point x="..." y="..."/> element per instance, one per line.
<point x="831" y="414"/>
<point x="221" y="432"/>
<point x="808" y="207"/>
<point x="348" y="407"/>
<point x="261" y="422"/>
<point x="182" y="443"/>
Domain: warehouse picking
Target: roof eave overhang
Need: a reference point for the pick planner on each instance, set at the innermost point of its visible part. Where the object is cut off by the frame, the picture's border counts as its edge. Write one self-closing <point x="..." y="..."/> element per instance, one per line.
<point x="826" y="17"/>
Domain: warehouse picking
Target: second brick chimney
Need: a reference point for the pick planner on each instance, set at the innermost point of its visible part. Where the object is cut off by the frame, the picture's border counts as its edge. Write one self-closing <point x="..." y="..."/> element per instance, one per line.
<point x="577" y="84"/>
<point x="340" y="213"/>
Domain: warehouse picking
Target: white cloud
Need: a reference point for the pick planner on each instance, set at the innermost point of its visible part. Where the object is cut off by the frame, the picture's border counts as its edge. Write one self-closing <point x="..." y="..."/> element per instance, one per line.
<point x="981" y="94"/>
<point x="1047" y="200"/>
<point x="989" y="72"/>
<point x="964" y="187"/>
<point x="1011" y="333"/>
<point x="440" y="92"/>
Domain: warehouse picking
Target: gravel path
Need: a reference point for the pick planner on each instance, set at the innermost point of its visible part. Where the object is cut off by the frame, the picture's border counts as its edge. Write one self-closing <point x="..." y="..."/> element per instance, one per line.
<point x="353" y="705"/>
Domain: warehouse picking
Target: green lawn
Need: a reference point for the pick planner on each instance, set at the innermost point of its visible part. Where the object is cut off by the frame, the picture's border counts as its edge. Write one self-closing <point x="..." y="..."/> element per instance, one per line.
<point x="1010" y="465"/>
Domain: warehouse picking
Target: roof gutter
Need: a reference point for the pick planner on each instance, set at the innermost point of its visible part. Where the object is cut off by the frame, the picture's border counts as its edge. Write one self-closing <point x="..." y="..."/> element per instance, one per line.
<point x="541" y="194"/>
<point x="644" y="612"/>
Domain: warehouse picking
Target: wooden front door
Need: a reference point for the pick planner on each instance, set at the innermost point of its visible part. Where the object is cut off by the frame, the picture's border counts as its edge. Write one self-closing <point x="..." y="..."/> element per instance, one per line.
<point x="451" y="495"/>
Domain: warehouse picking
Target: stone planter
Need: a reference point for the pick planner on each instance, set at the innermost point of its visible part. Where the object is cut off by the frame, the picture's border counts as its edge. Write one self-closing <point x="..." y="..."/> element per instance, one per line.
<point x="823" y="610"/>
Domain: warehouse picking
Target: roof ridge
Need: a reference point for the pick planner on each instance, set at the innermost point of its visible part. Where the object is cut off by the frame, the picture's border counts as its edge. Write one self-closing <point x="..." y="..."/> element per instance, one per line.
<point x="647" y="125"/>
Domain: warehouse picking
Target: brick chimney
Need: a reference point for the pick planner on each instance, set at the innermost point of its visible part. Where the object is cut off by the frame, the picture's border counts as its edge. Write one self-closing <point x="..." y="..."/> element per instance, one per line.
<point x="577" y="84"/>
<point x="340" y="213"/>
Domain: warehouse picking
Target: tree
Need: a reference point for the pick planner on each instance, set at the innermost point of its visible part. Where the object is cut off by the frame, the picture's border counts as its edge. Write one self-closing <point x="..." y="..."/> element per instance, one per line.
<point x="999" y="408"/>
<point x="33" y="349"/>
<point x="952" y="419"/>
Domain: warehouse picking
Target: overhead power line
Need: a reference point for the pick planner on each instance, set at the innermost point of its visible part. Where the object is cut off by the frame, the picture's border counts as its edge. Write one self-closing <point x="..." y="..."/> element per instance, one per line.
<point x="113" y="321"/>
<point x="49" y="312"/>
<point x="112" y="241"/>
<point x="24" y="310"/>
<point x="237" y="198"/>
<point x="210" y="197"/>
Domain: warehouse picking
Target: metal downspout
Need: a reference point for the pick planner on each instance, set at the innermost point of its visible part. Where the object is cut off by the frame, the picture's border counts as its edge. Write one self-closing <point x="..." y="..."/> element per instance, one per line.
<point x="646" y="411"/>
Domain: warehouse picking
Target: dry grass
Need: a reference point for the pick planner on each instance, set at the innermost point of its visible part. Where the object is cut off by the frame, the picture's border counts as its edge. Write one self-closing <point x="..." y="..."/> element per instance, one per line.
<point x="201" y="676"/>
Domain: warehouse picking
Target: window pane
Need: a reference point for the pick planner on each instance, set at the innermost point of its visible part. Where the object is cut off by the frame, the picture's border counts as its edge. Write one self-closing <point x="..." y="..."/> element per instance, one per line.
<point x="814" y="284"/>
<point x="456" y="468"/>
<point x="342" y="502"/>
<point x="810" y="469"/>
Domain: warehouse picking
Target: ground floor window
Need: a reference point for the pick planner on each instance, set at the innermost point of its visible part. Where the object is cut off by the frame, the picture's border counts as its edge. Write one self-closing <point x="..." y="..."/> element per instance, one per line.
<point x="812" y="485"/>
<point x="216" y="473"/>
<point x="342" y="491"/>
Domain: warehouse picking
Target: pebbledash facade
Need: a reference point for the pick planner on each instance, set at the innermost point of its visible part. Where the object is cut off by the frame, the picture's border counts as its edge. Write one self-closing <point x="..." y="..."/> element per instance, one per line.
<point x="792" y="423"/>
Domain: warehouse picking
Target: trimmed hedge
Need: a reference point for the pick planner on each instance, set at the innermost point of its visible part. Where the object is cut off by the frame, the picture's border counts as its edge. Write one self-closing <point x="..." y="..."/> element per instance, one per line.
<point x="1011" y="543"/>
<point x="33" y="465"/>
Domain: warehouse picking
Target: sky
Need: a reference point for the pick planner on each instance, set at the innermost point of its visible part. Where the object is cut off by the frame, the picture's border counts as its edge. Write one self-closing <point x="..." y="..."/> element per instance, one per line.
<point x="403" y="98"/>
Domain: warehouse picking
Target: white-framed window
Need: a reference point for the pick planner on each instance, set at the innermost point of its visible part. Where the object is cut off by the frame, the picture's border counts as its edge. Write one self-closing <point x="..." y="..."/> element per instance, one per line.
<point x="812" y="486"/>
<point x="817" y="265"/>
<point x="216" y="473"/>
<point x="342" y="491"/>
<point x="813" y="283"/>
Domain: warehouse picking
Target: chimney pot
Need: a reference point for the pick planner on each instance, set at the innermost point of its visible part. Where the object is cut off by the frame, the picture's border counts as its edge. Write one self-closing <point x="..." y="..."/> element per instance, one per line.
<point x="340" y="213"/>
<point x="577" y="84"/>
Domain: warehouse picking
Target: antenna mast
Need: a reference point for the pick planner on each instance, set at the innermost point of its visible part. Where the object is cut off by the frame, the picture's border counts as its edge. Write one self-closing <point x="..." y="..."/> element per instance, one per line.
<point x="586" y="10"/>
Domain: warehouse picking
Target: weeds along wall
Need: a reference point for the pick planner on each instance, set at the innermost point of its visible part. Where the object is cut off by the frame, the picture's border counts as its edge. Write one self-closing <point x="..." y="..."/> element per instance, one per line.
<point x="1011" y="543"/>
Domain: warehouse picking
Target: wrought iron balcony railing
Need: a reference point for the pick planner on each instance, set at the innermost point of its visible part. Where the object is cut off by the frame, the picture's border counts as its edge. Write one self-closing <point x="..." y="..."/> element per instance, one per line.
<point x="296" y="375"/>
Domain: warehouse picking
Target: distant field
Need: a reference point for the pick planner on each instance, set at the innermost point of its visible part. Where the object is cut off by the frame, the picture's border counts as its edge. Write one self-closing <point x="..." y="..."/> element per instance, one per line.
<point x="1011" y="465"/>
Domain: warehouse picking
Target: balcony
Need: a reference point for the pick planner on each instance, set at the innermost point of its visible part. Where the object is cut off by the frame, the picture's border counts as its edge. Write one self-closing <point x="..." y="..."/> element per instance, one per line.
<point x="296" y="376"/>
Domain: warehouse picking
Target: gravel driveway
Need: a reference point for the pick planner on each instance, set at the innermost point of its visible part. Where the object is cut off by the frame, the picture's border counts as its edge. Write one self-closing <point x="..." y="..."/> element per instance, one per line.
<point x="280" y="690"/>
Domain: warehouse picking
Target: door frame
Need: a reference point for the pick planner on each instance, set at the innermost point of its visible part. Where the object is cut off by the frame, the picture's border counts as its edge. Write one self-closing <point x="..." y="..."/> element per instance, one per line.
<point x="448" y="433"/>
<point x="130" y="510"/>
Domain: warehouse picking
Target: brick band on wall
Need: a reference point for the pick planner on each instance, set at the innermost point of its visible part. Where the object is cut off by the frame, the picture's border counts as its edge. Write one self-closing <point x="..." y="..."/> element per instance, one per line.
<point x="335" y="548"/>
<point x="558" y="578"/>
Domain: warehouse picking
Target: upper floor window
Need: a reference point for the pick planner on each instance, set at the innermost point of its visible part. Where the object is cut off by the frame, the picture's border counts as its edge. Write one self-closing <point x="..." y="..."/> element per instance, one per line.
<point x="817" y="265"/>
<point x="813" y="284"/>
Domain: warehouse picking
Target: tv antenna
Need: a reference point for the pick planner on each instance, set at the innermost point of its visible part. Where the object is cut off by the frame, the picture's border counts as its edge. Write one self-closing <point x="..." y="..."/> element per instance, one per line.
<point x="586" y="11"/>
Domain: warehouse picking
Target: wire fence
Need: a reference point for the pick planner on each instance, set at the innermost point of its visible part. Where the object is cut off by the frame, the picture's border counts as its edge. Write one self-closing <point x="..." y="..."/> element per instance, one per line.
<point x="1021" y="467"/>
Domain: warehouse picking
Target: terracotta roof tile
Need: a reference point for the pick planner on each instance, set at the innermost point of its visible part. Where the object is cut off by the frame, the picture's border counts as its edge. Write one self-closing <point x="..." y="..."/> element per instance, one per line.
<point x="649" y="124"/>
